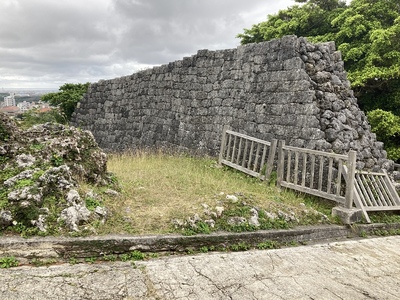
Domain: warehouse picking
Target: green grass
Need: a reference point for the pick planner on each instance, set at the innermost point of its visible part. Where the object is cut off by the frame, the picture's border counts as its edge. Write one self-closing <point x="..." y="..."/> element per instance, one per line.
<point x="158" y="188"/>
<point x="159" y="192"/>
<point x="385" y="217"/>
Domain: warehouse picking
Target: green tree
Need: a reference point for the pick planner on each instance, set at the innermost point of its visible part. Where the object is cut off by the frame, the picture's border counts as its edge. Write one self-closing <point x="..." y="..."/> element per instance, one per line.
<point x="67" y="98"/>
<point x="387" y="126"/>
<point x="367" y="32"/>
<point x="369" y="39"/>
<point x="312" y="20"/>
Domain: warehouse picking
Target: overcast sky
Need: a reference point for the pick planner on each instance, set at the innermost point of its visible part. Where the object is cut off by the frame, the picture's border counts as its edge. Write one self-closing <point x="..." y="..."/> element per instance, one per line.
<point x="46" y="43"/>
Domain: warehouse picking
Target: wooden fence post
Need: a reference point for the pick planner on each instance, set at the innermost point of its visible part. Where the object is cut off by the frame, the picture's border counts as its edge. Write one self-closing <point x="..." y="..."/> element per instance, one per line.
<point x="223" y="144"/>
<point x="270" y="161"/>
<point x="351" y="165"/>
<point x="281" y="162"/>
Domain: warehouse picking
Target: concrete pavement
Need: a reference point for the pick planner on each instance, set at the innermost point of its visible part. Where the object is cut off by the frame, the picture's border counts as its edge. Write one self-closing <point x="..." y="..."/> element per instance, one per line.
<point x="355" y="269"/>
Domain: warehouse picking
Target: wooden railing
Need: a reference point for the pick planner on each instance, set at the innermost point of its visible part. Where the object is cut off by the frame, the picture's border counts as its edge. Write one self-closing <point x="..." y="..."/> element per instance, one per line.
<point x="317" y="173"/>
<point x="247" y="154"/>
<point x="374" y="191"/>
<point x="323" y="174"/>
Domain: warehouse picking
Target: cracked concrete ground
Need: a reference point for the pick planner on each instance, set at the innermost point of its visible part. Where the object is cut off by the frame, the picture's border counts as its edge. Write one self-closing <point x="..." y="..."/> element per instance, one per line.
<point x="356" y="269"/>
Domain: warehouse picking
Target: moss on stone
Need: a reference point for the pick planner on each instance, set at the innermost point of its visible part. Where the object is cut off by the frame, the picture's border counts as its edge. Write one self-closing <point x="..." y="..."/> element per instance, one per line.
<point x="40" y="166"/>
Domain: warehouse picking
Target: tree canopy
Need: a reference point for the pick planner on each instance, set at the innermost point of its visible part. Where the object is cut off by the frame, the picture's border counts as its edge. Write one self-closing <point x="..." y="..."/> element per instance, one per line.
<point x="386" y="125"/>
<point x="367" y="32"/>
<point x="67" y="98"/>
<point x="313" y="20"/>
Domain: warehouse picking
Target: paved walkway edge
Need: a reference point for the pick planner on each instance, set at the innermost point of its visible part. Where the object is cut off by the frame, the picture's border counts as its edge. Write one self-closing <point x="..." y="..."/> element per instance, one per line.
<point x="98" y="246"/>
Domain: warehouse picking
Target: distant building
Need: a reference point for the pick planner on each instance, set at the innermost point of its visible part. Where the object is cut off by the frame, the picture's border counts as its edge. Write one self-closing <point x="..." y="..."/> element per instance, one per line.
<point x="9" y="100"/>
<point x="10" y="110"/>
<point x="39" y="105"/>
<point x="9" y="107"/>
<point x="24" y="106"/>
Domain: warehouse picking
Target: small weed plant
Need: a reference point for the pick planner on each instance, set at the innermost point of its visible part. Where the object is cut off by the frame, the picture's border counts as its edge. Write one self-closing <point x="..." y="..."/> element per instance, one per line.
<point x="268" y="245"/>
<point x="201" y="228"/>
<point x="110" y="257"/>
<point x="204" y="249"/>
<point x="133" y="256"/>
<point x="73" y="261"/>
<point x="8" y="262"/>
<point x="90" y="260"/>
<point x="137" y="255"/>
<point x="242" y="246"/>
<point x="92" y="203"/>
<point x="42" y="262"/>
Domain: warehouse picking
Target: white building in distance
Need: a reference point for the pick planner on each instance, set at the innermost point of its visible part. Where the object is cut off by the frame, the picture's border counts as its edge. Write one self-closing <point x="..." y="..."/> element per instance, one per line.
<point x="9" y="100"/>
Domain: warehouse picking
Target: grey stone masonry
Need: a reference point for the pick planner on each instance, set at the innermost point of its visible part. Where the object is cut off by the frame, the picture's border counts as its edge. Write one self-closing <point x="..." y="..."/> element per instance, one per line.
<point x="286" y="89"/>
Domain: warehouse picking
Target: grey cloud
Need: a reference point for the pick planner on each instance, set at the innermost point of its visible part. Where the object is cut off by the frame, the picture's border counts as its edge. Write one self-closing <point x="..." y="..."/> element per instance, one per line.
<point x="31" y="23"/>
<point x="176" y="28"/>
<point x="48" y="41"/>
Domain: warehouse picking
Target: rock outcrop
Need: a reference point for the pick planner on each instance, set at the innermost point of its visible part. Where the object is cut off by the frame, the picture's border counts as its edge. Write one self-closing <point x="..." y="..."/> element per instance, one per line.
<point x="41" y="169"/>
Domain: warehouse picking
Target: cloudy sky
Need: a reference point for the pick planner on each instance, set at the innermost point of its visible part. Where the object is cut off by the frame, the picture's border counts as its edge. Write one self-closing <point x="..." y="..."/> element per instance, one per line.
<point x="46" y="43"/>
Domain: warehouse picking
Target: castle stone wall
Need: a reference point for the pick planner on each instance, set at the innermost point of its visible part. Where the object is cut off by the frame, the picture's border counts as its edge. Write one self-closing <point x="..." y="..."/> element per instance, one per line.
<point x="286" y="89"/>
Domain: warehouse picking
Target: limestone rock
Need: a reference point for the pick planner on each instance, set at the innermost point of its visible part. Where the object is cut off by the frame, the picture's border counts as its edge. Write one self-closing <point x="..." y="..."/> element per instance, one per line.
<point x="25" y="160"/>
<point x="74" y="216"/>
<point x="5" y="218"/>
<point x="41" y="168"/>
<point x="253" y="220"/>
<point x="73" y="197"/>
<point x="101" y="212"/>
<point x="234" y="221"/>
<point x="232" y="198"/>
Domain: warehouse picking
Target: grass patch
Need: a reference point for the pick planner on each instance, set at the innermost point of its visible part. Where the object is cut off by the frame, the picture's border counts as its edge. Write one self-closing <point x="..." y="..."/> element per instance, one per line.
<point x="158" y="188"/>
<point x="385" y="217"/>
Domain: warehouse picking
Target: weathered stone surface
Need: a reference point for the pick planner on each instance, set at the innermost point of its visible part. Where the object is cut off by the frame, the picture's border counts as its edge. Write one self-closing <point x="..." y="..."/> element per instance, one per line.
<point x="40" y="170"/>
<point x="74" y="215"/>
<point x="348" y="215"/>
<point x="348" y="269"/>
<point x="286" y="89"/>
<point x="5" y="218"/>
<point x="98" y="246"/>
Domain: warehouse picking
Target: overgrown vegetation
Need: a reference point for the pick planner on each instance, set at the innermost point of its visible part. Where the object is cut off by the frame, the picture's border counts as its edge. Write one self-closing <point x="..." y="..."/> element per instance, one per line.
<point x="386" y="125"/>
<point x="4" y="135"/>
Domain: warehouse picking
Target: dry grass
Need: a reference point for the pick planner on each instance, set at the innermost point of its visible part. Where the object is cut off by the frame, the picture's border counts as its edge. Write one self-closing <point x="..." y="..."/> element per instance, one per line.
<point x="157" y="188"/>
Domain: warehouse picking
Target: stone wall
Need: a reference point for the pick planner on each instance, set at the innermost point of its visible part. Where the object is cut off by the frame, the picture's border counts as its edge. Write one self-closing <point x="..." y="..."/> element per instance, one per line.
<point x="286" y="89"/>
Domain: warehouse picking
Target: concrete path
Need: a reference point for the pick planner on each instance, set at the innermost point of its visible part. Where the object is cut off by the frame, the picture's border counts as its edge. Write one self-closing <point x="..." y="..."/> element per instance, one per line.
<point x="356" y="269"/>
